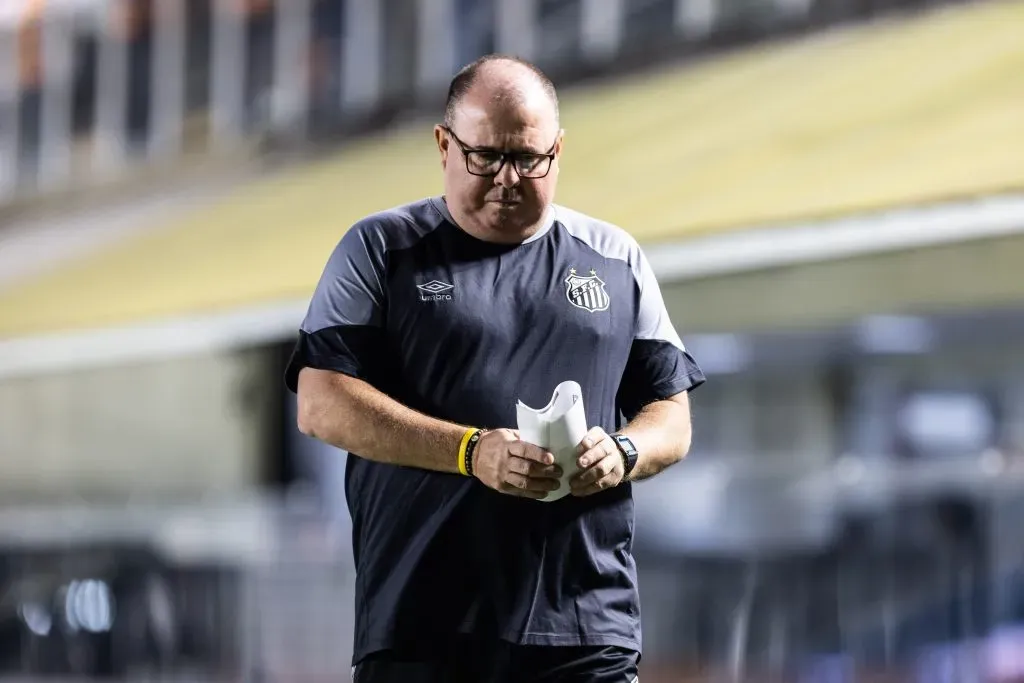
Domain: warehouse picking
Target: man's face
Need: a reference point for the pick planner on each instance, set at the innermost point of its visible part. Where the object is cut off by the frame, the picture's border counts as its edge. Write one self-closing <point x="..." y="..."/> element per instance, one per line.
<point x="509" y="205"/>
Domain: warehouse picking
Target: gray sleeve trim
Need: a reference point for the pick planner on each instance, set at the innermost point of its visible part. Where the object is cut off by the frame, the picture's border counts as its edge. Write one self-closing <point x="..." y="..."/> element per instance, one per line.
<point x="612" y="242"/>
<point x="352" y="288"/>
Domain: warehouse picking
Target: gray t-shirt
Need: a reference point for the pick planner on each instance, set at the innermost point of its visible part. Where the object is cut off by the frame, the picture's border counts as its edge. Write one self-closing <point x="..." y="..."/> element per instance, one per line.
<point x="462" y="329"/>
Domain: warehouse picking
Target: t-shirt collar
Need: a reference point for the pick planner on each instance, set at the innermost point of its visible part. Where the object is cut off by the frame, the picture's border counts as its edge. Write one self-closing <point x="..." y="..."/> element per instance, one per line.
<point x="549" y="218"/>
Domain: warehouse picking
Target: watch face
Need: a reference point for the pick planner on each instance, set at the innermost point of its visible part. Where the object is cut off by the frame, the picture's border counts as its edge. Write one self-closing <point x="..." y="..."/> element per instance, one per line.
<point x="626" y="444"/>
<point x="629" y="454"/>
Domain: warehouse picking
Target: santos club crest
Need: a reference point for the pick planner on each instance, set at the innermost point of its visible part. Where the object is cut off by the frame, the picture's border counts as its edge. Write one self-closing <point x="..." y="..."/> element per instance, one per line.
<point x="586" y="291"/>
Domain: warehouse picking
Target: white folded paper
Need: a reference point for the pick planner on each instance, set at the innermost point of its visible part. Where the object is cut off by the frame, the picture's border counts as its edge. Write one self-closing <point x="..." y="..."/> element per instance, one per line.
<point x="559" y="427"/>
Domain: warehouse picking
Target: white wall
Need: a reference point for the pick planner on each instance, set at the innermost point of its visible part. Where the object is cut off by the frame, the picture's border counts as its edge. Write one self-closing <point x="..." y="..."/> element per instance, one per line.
<point x="842" y="290"/>
<point x="185" y="425"/>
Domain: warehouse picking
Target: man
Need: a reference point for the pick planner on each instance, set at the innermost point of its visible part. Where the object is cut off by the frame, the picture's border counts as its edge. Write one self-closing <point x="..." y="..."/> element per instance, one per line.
<point x="429" y="323"/>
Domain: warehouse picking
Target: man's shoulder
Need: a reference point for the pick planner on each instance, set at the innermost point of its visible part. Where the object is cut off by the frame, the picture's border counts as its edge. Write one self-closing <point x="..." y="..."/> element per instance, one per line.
<point x="397" y="227"/>
<point x="608" y="239"/>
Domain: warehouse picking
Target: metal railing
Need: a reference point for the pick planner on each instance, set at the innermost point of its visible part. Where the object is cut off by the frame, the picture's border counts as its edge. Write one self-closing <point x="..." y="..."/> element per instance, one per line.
<point x="925" y="573"/>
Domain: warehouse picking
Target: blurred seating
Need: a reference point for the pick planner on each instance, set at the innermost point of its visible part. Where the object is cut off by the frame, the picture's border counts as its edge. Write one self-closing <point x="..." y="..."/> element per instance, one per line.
<point x="785" y="151"/>
<point x="867" y="118"/>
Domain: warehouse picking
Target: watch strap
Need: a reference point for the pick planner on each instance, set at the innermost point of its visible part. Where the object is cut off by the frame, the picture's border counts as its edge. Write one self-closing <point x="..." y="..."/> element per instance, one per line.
<point x="628" y="452"/>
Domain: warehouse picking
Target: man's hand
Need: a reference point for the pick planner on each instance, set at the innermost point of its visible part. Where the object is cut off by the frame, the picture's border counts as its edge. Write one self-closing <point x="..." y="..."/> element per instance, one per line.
<point x="506" y="464"/>
<point x="600" y="464"/>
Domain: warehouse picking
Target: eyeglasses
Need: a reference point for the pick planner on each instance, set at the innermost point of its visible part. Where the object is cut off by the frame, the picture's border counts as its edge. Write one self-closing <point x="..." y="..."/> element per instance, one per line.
<point x="488" y="163"/>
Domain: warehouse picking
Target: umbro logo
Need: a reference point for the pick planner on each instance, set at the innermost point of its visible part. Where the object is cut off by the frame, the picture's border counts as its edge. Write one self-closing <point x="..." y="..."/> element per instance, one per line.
<point x="435" y="290"/>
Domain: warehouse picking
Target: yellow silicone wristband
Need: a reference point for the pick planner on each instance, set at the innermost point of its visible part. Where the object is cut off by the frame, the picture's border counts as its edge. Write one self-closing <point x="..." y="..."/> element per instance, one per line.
<point x="462" y="451"/>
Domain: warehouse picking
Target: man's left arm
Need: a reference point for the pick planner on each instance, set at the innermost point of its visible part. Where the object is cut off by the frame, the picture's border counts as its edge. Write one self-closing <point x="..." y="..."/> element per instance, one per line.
<point x="653" y="396"/>
<point x="661" y="433"/>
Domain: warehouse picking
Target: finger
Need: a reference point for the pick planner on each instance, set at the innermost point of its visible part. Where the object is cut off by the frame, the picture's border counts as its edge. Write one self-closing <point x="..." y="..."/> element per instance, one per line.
<point x="595" y="436"/>
<point x="518" y="481"/>
<point x="594" y="481"/>
<point x="603" y="449"/>
<point x="510" y="490"/>
<point x="528" y="451"/>
<point x="603" y="484"/>
<point x="600" y="469"/>
<point x="530" y="468"/>
<point x="585" y="478"/>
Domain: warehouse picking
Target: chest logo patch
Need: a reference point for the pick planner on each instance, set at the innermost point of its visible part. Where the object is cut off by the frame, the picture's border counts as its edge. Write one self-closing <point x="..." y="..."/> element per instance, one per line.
<point x="586" y="291"/>
<point x="435" y="290"/>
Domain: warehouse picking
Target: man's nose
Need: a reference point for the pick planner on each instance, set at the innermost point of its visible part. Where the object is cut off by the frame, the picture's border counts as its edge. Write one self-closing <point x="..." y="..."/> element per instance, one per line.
<point x="507" y="176"/>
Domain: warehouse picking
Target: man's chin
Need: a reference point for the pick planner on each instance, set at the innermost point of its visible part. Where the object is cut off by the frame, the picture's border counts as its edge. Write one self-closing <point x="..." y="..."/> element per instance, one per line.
<point x="507" y="218"/>
<point x="504" y="210"/>
<point x="509" y="221"/>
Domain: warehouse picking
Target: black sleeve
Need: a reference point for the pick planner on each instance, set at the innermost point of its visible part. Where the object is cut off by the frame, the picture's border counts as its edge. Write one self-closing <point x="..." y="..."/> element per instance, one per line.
<point x="659" y="365"/>
<point x="342" y="328"/>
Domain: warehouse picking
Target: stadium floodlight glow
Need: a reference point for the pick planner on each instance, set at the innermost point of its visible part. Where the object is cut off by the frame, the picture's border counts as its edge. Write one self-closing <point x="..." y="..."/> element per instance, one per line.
<point x="36" y="617"/>
<point x="89" y="606"/>
<point x="894" y="334"/>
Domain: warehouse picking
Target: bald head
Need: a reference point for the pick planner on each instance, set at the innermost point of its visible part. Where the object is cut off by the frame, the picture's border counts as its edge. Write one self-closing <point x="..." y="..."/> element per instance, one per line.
<point x="499" y="146"/>
<point x="503" y="83"/>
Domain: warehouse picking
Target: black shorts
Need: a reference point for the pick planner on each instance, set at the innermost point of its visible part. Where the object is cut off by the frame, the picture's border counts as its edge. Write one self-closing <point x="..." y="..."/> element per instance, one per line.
<point x="473" y="662"/>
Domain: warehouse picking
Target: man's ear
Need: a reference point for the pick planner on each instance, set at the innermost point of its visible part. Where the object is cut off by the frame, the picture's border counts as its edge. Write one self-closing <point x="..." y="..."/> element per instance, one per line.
<point x="443" y="142"/>
<point x="560" y="143"/>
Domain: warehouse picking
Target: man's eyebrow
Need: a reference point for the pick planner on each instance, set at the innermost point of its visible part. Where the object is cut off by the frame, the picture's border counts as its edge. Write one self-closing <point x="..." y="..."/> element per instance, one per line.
<point x="488" y="148"/>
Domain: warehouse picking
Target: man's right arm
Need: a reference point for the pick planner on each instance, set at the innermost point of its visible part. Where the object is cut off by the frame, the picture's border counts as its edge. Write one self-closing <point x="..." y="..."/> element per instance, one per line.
<point x="352" y="415"/>
<point x="337" y="352"/>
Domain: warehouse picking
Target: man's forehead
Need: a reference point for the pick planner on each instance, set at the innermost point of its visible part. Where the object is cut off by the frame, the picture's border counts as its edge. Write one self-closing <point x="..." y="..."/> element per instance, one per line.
<point x="506" y="122"/>
<point x="526" y="139"/>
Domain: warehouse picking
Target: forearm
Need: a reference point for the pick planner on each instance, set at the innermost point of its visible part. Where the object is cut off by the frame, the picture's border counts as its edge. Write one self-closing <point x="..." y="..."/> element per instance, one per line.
<point x="661" y="433"/>
<point x="352" y="415"/>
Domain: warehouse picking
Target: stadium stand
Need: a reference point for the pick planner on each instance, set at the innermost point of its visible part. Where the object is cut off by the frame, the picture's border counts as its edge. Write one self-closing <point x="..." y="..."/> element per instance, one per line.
<point x="850" y="121"/>
<point x="851" y="507"/>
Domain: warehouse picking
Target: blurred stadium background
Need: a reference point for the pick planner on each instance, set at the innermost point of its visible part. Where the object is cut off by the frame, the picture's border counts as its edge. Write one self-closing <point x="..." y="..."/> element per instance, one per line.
<point x="828" y="191"/>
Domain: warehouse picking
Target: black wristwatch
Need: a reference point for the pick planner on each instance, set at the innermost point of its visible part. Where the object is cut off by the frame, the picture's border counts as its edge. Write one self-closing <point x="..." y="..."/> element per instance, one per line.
<point x="628" y="450"/>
